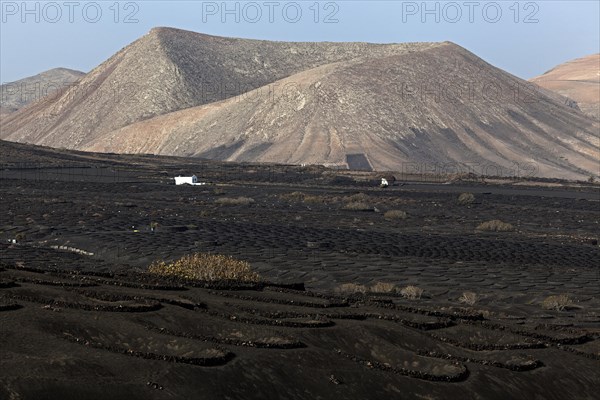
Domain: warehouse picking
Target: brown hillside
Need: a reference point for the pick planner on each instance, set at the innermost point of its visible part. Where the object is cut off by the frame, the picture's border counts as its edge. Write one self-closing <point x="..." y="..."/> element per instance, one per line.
<point x="577" y="79"/>
<point x="418" y="106"/>
<point x="18" y="94"/>
<point x="369" y="111"/>
<point x="169" y="70"/>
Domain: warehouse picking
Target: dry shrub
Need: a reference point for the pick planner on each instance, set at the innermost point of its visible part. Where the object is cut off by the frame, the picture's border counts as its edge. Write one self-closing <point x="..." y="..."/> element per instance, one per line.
<point x="206" y="267"/>
<point x="465" y="199"/>
<point x="383" y="287"/>
<point x="324" y="199"/>
<point x="219" y="191"/>
<point x="315" y="199"/>
<point x="496" y="226"/>
<point x="357" y="198"/>
<point x="395" y="214"/>
<point x="358" y="206"/>
<point x="469" y="298"/>
<point x="293" y="196"/>
<point x="235" y="201"/>
<point x="351" y="288"/>
<point x="412" y="292"/>
<point x="557" y="302"/>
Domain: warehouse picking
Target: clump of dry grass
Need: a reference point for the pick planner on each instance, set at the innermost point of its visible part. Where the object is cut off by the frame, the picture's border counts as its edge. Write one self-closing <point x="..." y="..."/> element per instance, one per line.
<point x="395" y="214"/>
<point x="206" y="267"/>
<point x="235" y="201"/>
<point x="305" y="198"/>
<point x="495" y="226"/>
<point x="358" y="206"/>
<point x="357" y="198"/>
<point x="315" y="199"/>
<point x="293" y="196"/>
<point x="383" y="287"/>
<point x="465" y="199"/>
<point x="469" y="298"/>
<point x="412" y="292"/>
<point x="351" y="288"/>
<point x="557" y="302"/>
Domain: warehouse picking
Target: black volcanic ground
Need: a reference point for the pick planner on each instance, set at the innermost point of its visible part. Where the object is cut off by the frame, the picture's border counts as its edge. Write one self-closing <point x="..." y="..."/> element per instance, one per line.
<point x="81" y="319"/>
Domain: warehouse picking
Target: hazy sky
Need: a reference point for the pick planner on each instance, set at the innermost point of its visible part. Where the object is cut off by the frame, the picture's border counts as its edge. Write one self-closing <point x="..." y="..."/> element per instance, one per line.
<point x="524" y="38"/>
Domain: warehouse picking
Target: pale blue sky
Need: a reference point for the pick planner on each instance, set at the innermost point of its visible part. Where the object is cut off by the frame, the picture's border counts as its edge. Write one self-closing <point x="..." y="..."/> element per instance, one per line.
<point x="557" y="30"/>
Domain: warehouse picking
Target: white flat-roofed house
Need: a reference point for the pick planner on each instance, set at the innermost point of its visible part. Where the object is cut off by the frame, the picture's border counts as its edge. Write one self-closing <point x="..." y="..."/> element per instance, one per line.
<point x="188" y="180"/>
<point x="387" y="180"/>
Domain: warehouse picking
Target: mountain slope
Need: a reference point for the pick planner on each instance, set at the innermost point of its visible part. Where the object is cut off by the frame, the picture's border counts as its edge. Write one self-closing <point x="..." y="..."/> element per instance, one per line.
<point x="18" y="94"/>
<point x="168" y="70"/>
<point x="409" y="107"/>
<point x="399" y="112"/>
<point x="577" y="79"/>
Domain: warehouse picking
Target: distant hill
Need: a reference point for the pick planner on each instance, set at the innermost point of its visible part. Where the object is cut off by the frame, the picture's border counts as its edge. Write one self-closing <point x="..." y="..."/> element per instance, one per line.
<point x="15" y="95"/>
<point x="411" y="106"/>
<point x="577" y="79"/>
<point x="168" y="70"/>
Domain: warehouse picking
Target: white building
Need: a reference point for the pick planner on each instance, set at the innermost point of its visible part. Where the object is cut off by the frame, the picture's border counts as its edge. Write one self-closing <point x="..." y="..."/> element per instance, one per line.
<point x="188" y="180"/>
